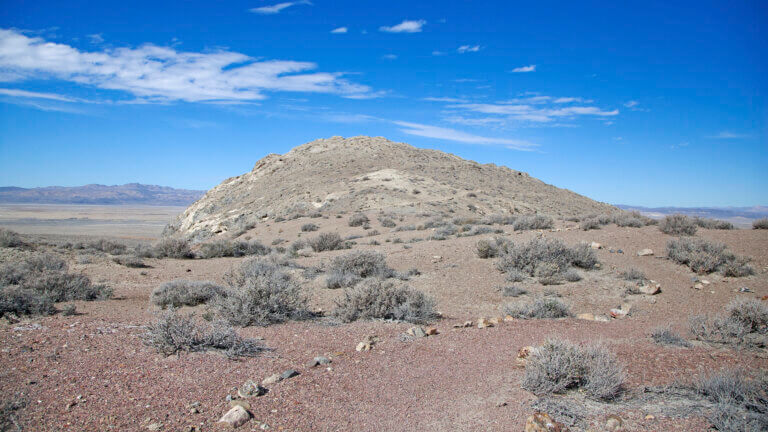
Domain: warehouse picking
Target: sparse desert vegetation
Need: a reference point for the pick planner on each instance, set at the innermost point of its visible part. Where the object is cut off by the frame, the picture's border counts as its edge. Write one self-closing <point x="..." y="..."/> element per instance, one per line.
<point x="704" y="257"/>
<point x="678" y="225"/>
<point x="546" y="259"/>
<point x="760" y="224"/>
<point x="380" y="299"/>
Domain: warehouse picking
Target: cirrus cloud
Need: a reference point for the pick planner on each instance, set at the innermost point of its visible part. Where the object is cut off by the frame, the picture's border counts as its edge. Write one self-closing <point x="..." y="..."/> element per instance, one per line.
<point x="151" y="72"/>
<point x="448" y="134"/>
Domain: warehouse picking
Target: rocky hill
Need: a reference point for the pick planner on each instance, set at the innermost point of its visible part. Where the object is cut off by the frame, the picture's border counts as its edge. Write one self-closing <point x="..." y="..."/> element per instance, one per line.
<point x="339" y="175"/>
<point x="131" y="193"/>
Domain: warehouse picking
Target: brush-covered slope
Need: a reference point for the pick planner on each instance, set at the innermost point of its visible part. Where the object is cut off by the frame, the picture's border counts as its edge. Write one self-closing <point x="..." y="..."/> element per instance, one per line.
<point x="363" y="173"/>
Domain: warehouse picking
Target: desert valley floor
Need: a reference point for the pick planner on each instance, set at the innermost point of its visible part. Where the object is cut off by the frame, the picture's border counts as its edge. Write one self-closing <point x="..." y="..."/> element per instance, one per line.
<point x="91" y="371"/>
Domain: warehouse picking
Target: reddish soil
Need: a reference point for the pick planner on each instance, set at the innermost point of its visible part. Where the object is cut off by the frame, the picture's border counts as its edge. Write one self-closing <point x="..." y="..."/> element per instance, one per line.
<point x="91" y="372"/>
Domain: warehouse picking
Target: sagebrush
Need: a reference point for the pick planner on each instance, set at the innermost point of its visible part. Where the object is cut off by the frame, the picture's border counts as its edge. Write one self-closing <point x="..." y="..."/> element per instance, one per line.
<point x="383" y="299"/>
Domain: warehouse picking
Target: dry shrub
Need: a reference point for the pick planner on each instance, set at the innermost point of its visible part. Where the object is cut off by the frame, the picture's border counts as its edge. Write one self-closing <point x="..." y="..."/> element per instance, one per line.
<point x="180" y="292"/>
<point x="171" y="247"/>
<point x="679" y="225"/>
<point x="10" y="238"/>
<point x="387" y="222"/>
<point x="713" y="223"/>
<point x="632" y="219"/>
<point x="228" y="248"/>
<point x="347" y="270"/>
<point x="545" y="307"/>
<point x="309" y="227"/>
<point x="173" y="333"/>
<point x="492" y="248"/>
<point x="130" y="261"/>
<point x="703" y="256"/>
<point x="260" y="293"/>
<point x="358" y="219"/>
<point x="328" y="242"/>
<point x="665" y="336"/>
<point x="24" y="302"/>
<point x="107" y="246"/>
<point x="547" y="259"/>
<point x="590" y="224"/>
<point x="558" y="366"/>
<point x="743" y="322"/>
<point x="533" y="222"/>
<point x="380" y="299"/>
<point x="760" y="223"/>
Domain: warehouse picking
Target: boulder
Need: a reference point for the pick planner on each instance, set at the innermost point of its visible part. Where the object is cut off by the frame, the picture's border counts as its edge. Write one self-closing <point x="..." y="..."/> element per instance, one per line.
<point x="236" y="417"/>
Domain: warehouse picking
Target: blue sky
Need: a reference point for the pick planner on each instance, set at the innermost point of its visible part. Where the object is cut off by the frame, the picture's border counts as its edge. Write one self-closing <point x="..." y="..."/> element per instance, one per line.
<point x="645" y="103"/>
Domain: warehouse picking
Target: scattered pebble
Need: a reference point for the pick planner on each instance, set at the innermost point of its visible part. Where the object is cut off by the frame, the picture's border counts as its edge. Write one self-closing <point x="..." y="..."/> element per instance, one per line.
<point x="236" y="417"/>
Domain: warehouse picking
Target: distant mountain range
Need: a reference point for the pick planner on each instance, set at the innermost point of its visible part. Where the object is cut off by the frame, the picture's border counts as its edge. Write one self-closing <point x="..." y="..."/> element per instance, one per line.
<point x="740" y="216"/>
<point x="131" y="193"/>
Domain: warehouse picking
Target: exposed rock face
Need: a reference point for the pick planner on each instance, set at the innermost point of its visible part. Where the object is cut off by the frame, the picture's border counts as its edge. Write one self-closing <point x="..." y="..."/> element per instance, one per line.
<point x="364" y="173"/>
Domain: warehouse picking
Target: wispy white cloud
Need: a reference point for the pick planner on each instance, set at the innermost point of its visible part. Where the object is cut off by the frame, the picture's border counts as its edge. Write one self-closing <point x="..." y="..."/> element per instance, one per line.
<point x="96" y="38"/>
<point x="389" y="57"/>
<point x="729" y="135"/>
<point x="277" y="8"/>
<point x="444" y="99"/>
<point x="529" y="68"/>
<point x="405" y="27"/>
<point x="468" y="48"/>
<point x="631" y="104"/>
<point x="340" y="30"/>
<point x="153" y="73"/>
<point x="462" y="137"/>
<point x="36" y="95"/>
<point x="527" y="109"/>
<point x="437" y="53"/>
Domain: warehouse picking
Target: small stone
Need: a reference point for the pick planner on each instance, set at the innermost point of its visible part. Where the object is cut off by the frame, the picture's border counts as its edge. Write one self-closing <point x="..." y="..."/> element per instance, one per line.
<point x="367" y="343"/>
<point x="602" y="318"/>
<point x="745" y="290"/>
<point x="509" y="318"/>
<point x="644" y="252"/>
<point x="497" y="320"/>
<point x="586" y="316"/>
<point x="613" y="423"/>
<point x="523" y="354"/>
<point x="319" y="360"/>
<point x="618" y="313"/>
<point x="542" y="422"/>
<point x="595" y="245"/>
<point x="290" y="373"/>
<point x="154" y="426"/>
<point x="705" y="282"/>
<point x="431" y="331"/>
<point x="650" y="417"/>
<point x="436" y="259"/>
<point x="251" y="389"/>
<point x="236" y="417"/>
<point x="650" y="289"/>
<point x="483" y="323"/>
<point x="698" y="285"/>
<point x="272" y="379"/>
<point x="620" y="251"/>
<point x="416" y="332"/>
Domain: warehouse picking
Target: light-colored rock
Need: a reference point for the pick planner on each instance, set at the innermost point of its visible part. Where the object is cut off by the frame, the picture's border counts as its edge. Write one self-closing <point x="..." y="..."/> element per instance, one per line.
<point x="698" y="285"/>
<point x="650" y="289"/>
<point x="239" y="402"/>
<point x="509" y="318"/>
<point x="542" y="422"/>
<point x="416" y="332"/>
<point x="272" y="379"/>
<point x="483" y="323"/>
<point x="367" y="343"/>
<point x="618" y="313"/>
<point x="595" y="245"/>
<point x="522" y="355"/>
<point x="251" y="389"/>
<point x="586" y="316"/>
<point x="613" y="423"/>
<point x="306" y="252"/>
<point x="431" y="331"/>
<point x="645" y="252"/>
<point x="602" y="318"/>
<point x="236" y="417"/>
<point x="496" y="320"/>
